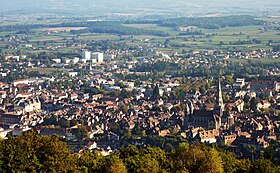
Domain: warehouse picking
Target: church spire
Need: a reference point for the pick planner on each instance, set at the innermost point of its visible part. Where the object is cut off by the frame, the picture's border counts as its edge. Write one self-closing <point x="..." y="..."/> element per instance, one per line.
<point x="219" y="106"/>
<point x="219" y="98"/>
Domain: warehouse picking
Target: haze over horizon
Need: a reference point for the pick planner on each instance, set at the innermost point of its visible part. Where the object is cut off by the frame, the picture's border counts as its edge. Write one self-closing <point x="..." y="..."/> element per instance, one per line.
<point x="93" y="8"/>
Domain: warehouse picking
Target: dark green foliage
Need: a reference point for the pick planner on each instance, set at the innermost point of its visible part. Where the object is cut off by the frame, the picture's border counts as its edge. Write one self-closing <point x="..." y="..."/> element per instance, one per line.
<point x="212" y="22"/>
<point x="34" y="153"/>
<point x="262" y="165"/>
<point x="276" y="47"/>
<point x="158" y="67"/>
<point x="111" y="27"/>
<point x="155" y="94"/>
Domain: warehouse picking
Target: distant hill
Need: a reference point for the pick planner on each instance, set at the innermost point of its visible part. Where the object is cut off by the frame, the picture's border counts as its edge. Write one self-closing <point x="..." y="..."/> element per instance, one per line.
<point x="212" y="22"/>
<point x="138" y="7"/>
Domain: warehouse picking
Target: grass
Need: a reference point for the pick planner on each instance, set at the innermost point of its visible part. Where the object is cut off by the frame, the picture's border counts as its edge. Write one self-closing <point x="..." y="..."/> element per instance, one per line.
<point x="171" y="31"/>
<point x="98" y="37"/>
<point x="255" y="60"/>
<point x="46" y="38"/>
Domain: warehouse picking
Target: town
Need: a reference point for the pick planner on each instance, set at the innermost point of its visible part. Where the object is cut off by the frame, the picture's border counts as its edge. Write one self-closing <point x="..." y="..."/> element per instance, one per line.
<point x="171" y="93"/>
<point x="95" y="107"/>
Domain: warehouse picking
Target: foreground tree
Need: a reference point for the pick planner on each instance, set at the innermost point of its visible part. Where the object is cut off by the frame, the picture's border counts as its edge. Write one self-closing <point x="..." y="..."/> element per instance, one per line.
<point x="34" y="153"/>
<point x="114" y="164"/>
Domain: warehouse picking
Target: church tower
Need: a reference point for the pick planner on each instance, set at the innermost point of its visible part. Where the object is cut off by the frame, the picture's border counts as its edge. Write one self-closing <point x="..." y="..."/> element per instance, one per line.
<point x="219" y="106"/>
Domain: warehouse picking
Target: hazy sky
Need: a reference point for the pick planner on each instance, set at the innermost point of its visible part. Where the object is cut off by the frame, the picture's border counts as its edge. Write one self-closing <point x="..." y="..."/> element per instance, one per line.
<point x="95" y="7"/>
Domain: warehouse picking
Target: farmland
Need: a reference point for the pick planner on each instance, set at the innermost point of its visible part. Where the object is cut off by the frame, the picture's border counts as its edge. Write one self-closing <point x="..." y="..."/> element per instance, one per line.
<point x="58" y="33"/>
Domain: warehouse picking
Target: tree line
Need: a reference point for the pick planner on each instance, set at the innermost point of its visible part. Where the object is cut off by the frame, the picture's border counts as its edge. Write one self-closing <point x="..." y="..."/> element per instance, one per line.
<point x="34" y="153"/>
<point x="111" y="27"/>
<point x="212" y="22"/>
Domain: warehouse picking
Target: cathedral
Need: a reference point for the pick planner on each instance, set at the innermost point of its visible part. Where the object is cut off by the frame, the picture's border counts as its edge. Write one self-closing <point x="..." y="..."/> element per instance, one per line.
<point x="209" y="119"/>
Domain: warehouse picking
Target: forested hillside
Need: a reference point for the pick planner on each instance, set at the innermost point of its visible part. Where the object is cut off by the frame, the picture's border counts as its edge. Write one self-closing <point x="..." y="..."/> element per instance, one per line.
<point x="212" y="22"/>
<point x="34" y="153"/>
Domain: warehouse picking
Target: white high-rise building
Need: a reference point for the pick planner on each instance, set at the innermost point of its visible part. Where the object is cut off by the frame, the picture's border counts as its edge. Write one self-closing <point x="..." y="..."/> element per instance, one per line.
<point x="87" y="55"/>
<point x="98" y="56"/>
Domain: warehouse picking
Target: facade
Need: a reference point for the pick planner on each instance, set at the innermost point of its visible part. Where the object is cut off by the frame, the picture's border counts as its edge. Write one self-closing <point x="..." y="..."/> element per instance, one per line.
<point x="10" y="118"/>
<point x="87" y="55"/>
<point x="28" y="106"/>
<point x="240" y="83"/>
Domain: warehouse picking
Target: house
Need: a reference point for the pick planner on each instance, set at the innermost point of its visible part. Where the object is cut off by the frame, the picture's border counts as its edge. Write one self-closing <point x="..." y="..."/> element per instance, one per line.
<point x="239" y="83"/>
<point x="11" y="118"/>
<point x="73" y="74"/>
<point x="258" y="85"/>
<point x="58" y="61"/>
<point x="193" y="94"/>
<point x="163" y="132"/>
<point x="24" y="95"/>
<point x="277" y="86"/>
<point x="264" y="104"/>
<point x="29" y="105"/>
<point x="23" y="81"/>
<point x="208" y="136"/>
<point x="3" y="94"/>
<point x="3" y="133"/>
<point x="74" y="96"/>
<point x="91" y="146"/>
<point x="239" y="104"/>
<point x="229" y="139"/>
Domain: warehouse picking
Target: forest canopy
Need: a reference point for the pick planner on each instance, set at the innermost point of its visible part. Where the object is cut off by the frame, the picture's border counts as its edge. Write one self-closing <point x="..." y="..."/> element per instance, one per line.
<point x="212" y="22"/>
<point x="34" y="153"/>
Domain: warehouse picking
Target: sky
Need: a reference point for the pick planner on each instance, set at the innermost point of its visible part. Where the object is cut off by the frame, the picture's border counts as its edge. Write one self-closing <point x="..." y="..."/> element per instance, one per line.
<point x="138" y="7"/>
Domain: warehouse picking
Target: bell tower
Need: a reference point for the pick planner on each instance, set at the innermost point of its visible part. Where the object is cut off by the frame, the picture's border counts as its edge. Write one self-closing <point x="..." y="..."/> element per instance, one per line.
<point x="219" y="105"/>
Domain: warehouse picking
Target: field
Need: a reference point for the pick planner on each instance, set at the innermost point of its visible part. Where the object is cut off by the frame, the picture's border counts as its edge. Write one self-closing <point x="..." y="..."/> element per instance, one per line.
<point x="63" y="29"/>
<point x="228" y="38"/>
<point x="262" y="60"/>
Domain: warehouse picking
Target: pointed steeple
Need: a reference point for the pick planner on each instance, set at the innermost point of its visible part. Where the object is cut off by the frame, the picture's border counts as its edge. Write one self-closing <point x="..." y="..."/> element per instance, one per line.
<point x="219" y="106"/>
<point x="219" y="98"/>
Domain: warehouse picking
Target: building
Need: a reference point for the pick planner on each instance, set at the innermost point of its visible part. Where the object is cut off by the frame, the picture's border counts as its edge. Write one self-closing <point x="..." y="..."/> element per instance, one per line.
<point x="208" y="136"/>
<point x="98" y="56"/>
<point x="277" y="86"/>
<point x="87" y="55"/>
<point x="73" y="74"/>
<point x="11" y="118"/>
<point x="208" y="119"/>
<point x="28" y="106"/>
<point x="239" y="83"/>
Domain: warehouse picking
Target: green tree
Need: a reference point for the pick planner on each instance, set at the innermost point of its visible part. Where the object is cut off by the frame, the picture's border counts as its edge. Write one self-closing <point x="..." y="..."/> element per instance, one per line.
<point x="114" y="164"/>
<point x="229" y="161"/>
<point x="253" y="104"/>
<point x="148" y="164"/>
<point x="155" y="94"/>
<point x="92" y="161"/>
<point x="202" y="90"/>
<point x="229" y="80"/>
<point x="34" y="153"/>
<point x="263" y="165"/>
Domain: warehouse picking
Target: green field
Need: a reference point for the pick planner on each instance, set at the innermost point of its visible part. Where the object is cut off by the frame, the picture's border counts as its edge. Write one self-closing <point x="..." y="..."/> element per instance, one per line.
<point x="262" y="60"/>
<point x="227" y="35"/>
<point x="227" y="38"/>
